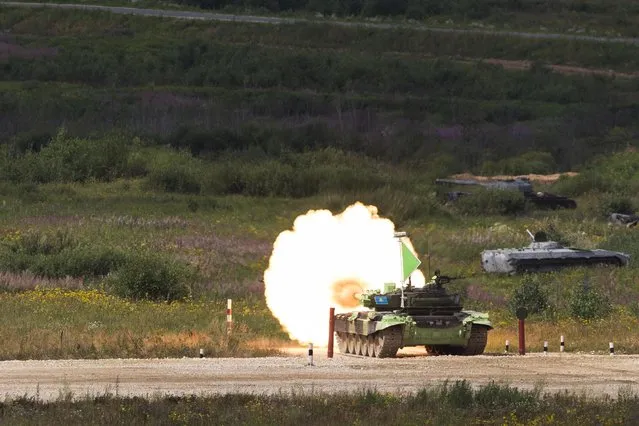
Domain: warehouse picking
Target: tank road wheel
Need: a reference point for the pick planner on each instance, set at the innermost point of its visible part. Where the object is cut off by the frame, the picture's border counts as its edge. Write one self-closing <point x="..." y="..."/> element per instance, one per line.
<point x="370" y="344"/>
<point x="342" y="342"/>
<point x="350" y="339"/>
<point x="477" y="341"/>
<point x="436" y="350"/>
<point x="388" y="342"/>
<point x="358" y="344"/>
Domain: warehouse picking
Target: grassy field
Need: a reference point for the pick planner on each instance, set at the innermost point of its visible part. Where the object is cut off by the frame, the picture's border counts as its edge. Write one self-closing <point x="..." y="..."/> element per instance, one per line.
<point x="224" y="242"/>
<point x="144" y="161"/>
<point x="448" y="404"/>
<point x="303" y="87"/>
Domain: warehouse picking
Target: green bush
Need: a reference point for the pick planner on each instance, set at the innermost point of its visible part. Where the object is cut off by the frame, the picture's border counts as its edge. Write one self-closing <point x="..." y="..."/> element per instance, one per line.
<point x="530" y="162"/>
<point x="173" y="171"/>
<point x="617" y="174"/>
<point x="69" y="159"/>
<point x="152" y="277"/>
<point x="44" y="243"/>
<point x="396" y="204"/>
<point x="587" y="303"/>
<point x="530" y="295"/>
<point x="175" y="179"/>
<point x="56" y="255"/>
<point x="601" y="205"/>
<point x="491" y="202"/>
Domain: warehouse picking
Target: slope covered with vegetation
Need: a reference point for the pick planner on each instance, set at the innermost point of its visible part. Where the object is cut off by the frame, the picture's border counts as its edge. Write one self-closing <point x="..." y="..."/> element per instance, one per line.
<point x="149" y="159"/>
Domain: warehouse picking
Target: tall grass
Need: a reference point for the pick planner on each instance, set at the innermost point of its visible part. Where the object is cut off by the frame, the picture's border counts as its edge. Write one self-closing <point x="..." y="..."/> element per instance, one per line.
<point x="50" y="324"/>
<point x="448" y="404"/>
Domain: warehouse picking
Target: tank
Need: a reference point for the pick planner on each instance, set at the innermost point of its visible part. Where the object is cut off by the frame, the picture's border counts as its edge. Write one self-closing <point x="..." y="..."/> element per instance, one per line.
<point x="429" y="316"/>
<point x="544" y="255"/>
<point x="521" y="184"/>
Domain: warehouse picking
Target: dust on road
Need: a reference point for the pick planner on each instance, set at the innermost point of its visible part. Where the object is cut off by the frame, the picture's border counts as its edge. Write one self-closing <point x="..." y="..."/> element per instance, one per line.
<point x="589" y="374"/>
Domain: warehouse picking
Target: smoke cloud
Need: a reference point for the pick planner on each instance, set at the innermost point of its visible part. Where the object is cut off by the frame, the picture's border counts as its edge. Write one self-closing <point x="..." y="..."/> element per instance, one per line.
<point x="326" y="261"/>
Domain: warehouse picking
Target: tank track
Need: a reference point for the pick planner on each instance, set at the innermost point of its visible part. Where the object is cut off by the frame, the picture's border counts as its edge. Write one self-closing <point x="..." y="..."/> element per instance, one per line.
<point x="381" y="344"/>
<point x="541" y="265"/>
<point x="477" y="341"/>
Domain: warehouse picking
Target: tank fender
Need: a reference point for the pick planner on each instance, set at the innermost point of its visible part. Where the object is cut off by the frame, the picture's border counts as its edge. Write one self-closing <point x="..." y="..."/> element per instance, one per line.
<point x="365" y="324"/>
<point x="479" y="318"/>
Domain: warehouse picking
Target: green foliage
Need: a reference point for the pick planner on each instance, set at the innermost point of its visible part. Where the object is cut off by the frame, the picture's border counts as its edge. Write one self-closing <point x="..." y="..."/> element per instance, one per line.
<point x="69" y="159"/>
<point x="530" y="295"/>
<point x="173" y="171"/>
<point x="624" y="240"/>
<point x="264" y="178"/>
<point x="587" y="303"/>
<point x="601" y="205"/>
<point x="530" y="162"/>
<point x="484" y="201"/>
<point x="393" y="202"/>
<point x="57" y="254"/>
<point x="490" y="404"/>
<point x="150" y="277"/>
<point x="618" y="174"/>
<point x="29" y="141"/>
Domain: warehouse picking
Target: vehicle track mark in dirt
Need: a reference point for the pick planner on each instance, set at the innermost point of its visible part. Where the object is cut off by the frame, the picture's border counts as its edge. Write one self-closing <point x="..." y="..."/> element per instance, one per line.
<point x="272" y="20"/>
<point x="589" y="374"/>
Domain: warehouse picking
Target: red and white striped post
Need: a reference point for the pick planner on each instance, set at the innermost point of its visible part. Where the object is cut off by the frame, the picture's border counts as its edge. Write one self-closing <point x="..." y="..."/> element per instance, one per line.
<point x="229" y="316"/>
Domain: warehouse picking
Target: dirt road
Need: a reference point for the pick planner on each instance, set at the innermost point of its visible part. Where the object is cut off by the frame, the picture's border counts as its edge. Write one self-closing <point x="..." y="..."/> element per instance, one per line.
<point x="591" y="374"/>
<point x="180" y="14"/>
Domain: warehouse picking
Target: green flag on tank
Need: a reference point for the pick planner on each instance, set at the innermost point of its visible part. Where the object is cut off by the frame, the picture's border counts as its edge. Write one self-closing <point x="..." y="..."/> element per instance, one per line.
<point x="410" y="262"/>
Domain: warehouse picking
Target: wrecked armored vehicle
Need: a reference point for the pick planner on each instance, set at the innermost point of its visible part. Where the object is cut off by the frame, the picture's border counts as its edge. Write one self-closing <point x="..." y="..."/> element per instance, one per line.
<point x="627" y="220"/>
<point x="523" y="185"/>
<point x="542" y="255"/>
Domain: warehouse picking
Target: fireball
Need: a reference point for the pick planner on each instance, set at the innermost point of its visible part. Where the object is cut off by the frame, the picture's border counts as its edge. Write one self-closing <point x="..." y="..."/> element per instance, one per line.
<point x="327" y="261"/>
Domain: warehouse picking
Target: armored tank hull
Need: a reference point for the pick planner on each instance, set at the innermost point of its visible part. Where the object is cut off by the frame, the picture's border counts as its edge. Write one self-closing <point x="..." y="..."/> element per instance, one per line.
<point x="547" y="256"/>
<point x="430" y="317"/>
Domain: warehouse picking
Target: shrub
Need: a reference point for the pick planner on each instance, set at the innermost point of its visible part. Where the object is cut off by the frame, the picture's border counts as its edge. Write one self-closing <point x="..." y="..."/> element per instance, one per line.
<point x="618" y="174"/>
<point x="531" y="296"/>
<point x="57" y="255"/>
<point x="152" y="277"/>
<point x="67" y="159"/>
<point x="174" y="172"/>
<point x="530" y="162"/>
<point x="175" y="179"/>
<point x="34" y="242"/>
<point x="587" y="303"/>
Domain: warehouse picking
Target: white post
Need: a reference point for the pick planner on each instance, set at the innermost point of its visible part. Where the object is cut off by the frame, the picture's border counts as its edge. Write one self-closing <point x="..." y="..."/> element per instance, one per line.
<point x="229" y="316"/>
<point x="201" y="353"/>
<point x="561" y="344"/>
<point x="612" y="348"/>
<point x="507" y="346"/>
<point x="310" y="354"/>
<point x="545" y="347"/>
<point x="401" y="271"/>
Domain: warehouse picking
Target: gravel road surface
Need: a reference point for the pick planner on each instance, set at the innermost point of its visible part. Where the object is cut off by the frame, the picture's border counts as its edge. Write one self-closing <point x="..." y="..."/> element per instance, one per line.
<point x="590" y="374"/>
<point x="277" y="21"/>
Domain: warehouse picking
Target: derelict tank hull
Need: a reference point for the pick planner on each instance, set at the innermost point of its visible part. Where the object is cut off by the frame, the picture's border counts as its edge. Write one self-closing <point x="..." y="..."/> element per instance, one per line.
<point x="547" y="256"/>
